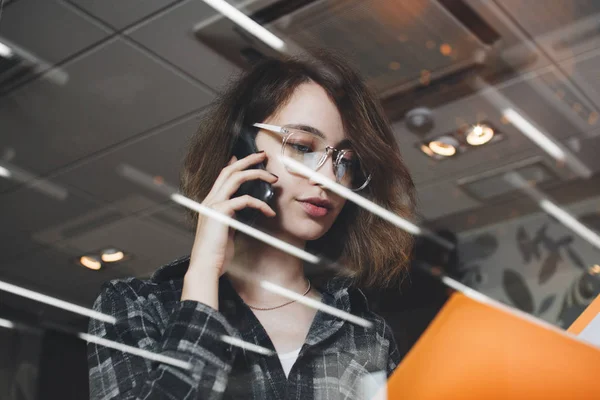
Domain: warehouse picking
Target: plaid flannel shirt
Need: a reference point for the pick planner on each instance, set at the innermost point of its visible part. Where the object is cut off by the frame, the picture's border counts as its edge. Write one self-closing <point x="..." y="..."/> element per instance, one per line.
<point x="149" y="315"/>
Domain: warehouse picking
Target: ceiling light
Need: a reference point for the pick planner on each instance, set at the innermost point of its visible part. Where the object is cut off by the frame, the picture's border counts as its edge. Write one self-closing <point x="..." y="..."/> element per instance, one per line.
<point x="479" y="134"/>
<point x="247" y="23"/>
<point x="91" y="262"/>
<point x="594" y="270"/>
<point x="444" y="146"/>
<point x="445" y="49"/>
<point x="5" y="51"/>
<point x="112" y="255"/>
<point x="419" y="120"/>
<point x="425" y="149"/>
<point x="4" y="172"/>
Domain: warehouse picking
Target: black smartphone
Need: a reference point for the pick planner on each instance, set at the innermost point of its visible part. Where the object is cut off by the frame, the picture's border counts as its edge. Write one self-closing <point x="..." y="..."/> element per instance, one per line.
<point x="243" y="147"/>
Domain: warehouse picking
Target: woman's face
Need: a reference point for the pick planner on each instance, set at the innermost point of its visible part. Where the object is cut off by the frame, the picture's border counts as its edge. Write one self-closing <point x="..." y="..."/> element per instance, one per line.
<point x="295" y="196"/>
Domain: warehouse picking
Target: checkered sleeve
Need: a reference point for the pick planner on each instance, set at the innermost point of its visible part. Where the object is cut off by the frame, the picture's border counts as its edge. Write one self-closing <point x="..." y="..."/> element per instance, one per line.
<point x="198" y="362"/>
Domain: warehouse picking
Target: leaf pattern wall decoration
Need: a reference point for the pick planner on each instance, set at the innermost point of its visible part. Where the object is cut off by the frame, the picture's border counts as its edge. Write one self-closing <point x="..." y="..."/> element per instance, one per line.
<point x="575" y="259"/>
<point x="549" y="267"/>
<point x="481" y="247"/>
<point x="546" y="304"/>
<point x="517" y="291"/>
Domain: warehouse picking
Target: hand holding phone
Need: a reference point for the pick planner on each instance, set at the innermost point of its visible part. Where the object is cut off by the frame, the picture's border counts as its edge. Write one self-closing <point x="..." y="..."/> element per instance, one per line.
<point x="213" y="244"/>
<point x="260" y="189"/>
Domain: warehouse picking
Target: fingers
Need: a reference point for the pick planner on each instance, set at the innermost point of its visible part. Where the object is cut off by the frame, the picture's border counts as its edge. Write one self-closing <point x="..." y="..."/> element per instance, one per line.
<point x="235" y="165"/>
<point x="245" y="162"/>
<point x="234" y="182"/>
<point x="239" y="203"/>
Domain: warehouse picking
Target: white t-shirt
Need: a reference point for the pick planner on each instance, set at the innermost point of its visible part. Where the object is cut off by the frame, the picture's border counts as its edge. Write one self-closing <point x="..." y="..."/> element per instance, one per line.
<point x="288" y="360"/>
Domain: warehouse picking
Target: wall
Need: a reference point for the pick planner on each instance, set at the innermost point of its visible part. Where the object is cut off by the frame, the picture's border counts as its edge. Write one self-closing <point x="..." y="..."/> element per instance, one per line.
<point x="535" y="263"/>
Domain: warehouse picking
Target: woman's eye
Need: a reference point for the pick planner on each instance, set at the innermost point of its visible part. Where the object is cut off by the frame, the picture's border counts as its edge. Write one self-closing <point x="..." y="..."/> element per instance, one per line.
<point x="301" y="148"/>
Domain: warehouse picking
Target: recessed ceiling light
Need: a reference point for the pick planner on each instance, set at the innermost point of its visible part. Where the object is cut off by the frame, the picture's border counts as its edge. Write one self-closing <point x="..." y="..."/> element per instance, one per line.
<point x="425" y="149"/>
<point x="444" y="146"/>
<point x="112" y="255"/>
<point x="5" y="51"/>
<point x="479" y="134"/>
<point x="594" y="270"/>
<point x="91" y="262"/>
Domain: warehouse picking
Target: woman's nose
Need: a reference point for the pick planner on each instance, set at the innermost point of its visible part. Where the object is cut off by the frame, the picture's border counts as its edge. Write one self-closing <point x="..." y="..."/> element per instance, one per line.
<point x="326" y="170"/>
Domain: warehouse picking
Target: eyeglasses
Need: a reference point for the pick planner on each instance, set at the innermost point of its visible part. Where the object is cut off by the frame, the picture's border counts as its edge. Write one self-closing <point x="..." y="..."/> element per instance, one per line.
<point x="312" y="151"/>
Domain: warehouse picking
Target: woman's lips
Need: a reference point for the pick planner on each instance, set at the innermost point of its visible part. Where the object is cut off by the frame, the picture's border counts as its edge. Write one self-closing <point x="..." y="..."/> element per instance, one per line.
<point x="313" y="210"/>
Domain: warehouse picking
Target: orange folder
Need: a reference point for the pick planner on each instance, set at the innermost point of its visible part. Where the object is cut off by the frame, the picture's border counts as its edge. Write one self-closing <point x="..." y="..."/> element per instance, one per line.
<point x="473" y="350"/>
<point x="586" y="317"/>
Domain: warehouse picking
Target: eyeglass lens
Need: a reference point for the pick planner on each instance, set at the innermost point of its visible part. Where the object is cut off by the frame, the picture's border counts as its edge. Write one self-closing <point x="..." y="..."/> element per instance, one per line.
<point x="311" y="150"/>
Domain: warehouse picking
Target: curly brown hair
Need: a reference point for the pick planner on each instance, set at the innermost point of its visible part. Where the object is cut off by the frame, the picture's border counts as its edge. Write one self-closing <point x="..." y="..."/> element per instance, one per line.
<point x="375" y="251"/>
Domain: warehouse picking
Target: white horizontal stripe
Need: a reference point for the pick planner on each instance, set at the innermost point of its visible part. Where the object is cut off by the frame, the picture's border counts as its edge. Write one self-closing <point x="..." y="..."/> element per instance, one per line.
<point x="42" y="298"/>
<point x="135" y="351"/>
<point x="534" y="134"/>
<point x="247" y="23"/>
<point x="6" y="323"/>
<point x="245" y="345"/>
<point x="248" y="230"/>
<point x="368" y="205"/>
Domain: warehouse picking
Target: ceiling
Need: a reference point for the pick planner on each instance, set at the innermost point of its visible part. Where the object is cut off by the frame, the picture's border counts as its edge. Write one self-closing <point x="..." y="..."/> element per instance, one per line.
<point x="124" y="83"/>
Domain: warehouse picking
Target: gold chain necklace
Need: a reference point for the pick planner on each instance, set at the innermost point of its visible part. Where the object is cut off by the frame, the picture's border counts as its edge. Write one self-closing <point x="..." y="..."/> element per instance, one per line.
<point x="279" y="306"/>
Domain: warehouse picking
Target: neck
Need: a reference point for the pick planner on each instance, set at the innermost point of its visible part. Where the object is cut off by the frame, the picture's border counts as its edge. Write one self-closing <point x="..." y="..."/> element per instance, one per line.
<point x="255" y="261"/>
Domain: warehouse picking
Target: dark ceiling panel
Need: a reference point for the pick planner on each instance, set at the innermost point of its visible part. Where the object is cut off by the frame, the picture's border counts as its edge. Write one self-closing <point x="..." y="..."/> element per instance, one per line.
<point x="120" y="14"/>
<point x="26" y="211"/>
<point x="113" y="93"/>
<point x="45" y="29"/>
<point x="171" y="36"/>
<point x="158" y="154"/>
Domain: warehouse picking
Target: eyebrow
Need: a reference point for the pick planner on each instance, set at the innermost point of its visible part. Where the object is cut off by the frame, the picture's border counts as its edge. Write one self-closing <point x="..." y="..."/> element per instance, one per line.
<point x="307" y="128"/>
<point x="318" y="133"/>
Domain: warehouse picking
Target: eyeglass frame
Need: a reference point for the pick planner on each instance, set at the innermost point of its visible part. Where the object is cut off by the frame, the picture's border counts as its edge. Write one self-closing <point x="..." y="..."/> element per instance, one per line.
<point x="283" y="130"/>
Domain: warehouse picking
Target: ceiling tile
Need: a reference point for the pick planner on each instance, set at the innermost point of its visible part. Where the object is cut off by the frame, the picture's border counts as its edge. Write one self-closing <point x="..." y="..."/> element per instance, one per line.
<point x="113" y="93"/>
<point x="157" y="154"/>
<point x="586" y="150"/>
<point x="120" y="13"/>
<point x="441" y="199"/>
<point x="26" y="211"/>
<point x="561" y="28"/>
<point x="149" y="243"/>
<point x="45" y="29"/>
<point x="172" y="37"/>
<point x="54" y="272"/>
<point x="585" y="72"/>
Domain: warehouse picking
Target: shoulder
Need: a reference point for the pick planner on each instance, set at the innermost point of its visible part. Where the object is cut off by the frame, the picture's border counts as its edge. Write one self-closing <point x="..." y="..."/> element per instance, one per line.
<point x="360" y="307"/>
<point x="164" y="285"/>
<point x="134" y="291"/>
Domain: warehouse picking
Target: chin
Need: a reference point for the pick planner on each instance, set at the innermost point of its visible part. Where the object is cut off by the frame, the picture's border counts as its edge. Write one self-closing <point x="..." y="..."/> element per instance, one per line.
<point x="307" y="229"/>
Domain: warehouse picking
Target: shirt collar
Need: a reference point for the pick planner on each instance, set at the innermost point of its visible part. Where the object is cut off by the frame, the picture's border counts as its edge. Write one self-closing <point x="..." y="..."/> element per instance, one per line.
<point x="337" y="292"/>
<point x="336" y="286"/>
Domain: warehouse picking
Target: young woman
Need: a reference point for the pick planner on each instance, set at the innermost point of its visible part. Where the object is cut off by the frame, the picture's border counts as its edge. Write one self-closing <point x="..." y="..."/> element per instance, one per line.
<point x="321" y="113"/>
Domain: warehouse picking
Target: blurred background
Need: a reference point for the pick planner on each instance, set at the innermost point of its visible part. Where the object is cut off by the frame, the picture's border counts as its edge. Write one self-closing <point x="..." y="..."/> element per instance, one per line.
<point x="494" y="103"/>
